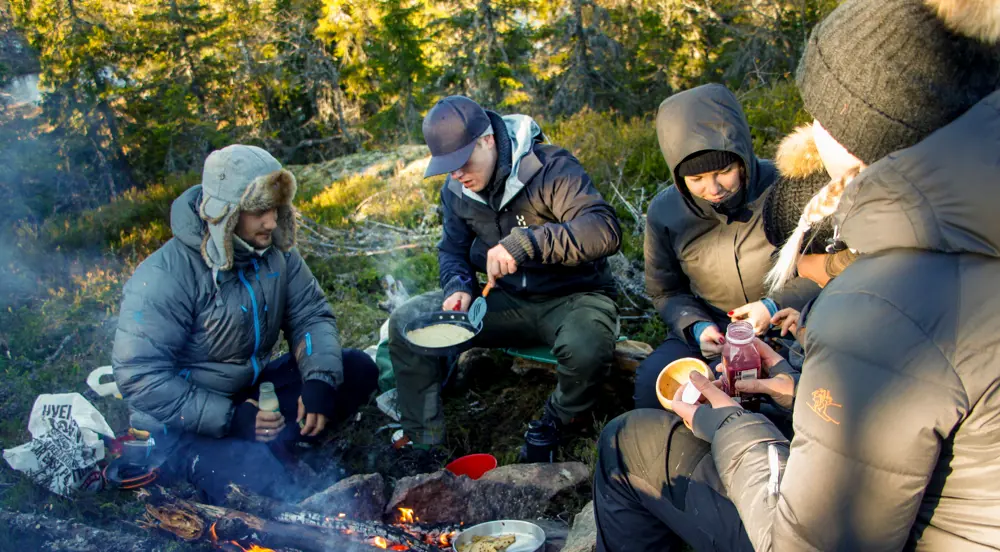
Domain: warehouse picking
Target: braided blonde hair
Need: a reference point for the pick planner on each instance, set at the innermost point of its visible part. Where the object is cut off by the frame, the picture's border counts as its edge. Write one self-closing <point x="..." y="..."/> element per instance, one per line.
<point x="821" y="206"/>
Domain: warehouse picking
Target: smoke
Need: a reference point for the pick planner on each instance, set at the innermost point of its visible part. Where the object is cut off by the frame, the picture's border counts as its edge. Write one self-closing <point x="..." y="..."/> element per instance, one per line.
<point x="17" y="280"/>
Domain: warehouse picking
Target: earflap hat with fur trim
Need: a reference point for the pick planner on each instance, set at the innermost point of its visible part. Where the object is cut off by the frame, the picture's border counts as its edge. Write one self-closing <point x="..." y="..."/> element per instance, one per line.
<point x="243" y="178"/>
<point x="882" y="75"/>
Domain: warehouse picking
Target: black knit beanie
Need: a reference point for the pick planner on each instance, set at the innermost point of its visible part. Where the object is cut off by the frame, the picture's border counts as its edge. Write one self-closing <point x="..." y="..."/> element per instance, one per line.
<point x="784" y="205"/>
<point x="880" y="75"/>
<point x="706" y="161"/>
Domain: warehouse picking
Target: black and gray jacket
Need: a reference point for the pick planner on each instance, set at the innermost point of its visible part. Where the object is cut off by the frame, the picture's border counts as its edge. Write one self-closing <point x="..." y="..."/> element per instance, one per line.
<point x="544" y="209"/>
<point x="897" y="412"/>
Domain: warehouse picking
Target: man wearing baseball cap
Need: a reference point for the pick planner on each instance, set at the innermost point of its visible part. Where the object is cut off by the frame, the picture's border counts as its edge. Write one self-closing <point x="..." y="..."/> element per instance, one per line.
<point x="527" y="215"/>
<point x="200" y="318"/>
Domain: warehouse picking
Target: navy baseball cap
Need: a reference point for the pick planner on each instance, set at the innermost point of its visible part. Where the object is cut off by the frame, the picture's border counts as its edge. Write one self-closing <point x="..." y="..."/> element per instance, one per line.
<point x="451" y="129"/>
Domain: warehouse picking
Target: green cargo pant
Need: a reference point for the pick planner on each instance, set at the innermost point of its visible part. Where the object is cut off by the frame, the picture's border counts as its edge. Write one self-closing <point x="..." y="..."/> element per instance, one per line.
<point x="581" y="329"/>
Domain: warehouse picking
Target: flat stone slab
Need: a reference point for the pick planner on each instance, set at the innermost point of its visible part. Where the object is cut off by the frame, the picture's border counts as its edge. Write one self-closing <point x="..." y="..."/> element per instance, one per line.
<point x="517" y="491"/>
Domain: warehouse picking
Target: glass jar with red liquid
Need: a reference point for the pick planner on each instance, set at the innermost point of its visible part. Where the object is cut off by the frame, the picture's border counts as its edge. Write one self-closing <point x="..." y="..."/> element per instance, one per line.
<point x="741" y="361"/>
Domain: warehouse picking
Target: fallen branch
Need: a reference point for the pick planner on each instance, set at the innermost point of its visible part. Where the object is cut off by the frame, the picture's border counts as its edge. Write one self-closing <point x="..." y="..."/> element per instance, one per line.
<point x="385" y="251"/>
<point x="62" y="345"/>
<point x="636" y="214"/>
<point x="365" y="240"/>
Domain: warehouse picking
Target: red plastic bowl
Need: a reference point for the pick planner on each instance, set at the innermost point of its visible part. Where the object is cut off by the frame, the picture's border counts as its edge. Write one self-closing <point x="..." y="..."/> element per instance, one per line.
<point x="472" y="465"/>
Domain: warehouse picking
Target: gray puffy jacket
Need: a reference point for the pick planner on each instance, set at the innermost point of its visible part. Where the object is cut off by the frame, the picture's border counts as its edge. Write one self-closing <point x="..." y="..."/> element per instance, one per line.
<point x="897" y="413"/>
<point x="186" y="343"/>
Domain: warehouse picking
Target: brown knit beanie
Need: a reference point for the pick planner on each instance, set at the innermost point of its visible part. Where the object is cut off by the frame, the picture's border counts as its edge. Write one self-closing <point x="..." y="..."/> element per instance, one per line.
<point x="880" y="75"/>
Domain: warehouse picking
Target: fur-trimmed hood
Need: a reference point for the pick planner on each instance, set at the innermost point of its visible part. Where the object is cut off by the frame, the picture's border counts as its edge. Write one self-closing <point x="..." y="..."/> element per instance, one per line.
<point x="935" y="195"/>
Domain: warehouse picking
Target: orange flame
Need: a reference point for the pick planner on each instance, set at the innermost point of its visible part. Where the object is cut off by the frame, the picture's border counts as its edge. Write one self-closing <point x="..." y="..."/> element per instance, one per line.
<point x="341" y="515"/>
<point x="211" y="531"/>
<point x="380" y="542"/>
<point x="406" y="515"/>
<point x="445" y="539"/>
<point x="253" y="547"/>
<point x="399" y="547"/>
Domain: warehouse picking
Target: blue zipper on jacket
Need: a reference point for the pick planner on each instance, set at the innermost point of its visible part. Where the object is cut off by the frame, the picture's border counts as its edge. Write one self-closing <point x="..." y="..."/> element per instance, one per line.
<point x="256" y="328"/>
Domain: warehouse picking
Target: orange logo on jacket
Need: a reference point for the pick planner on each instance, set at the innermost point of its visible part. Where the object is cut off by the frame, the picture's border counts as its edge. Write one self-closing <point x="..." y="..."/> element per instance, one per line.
<point x="823" y="400"/>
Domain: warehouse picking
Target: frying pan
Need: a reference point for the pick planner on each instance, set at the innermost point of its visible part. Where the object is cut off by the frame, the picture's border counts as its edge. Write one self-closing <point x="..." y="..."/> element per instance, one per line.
<point x="472" y="321"/>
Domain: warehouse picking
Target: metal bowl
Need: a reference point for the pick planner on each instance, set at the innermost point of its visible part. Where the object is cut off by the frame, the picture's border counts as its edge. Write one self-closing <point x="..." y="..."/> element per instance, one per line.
<point x="460" y="319"/>
<point x="530" y="537"/>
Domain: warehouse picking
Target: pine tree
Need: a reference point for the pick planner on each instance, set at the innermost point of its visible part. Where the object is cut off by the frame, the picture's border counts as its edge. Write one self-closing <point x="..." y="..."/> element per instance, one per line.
<point x="79" y="47"/>
<point x="579" y="67"/>
<point x="488" y="54"/>
<point x="177" y="82"/>
<point x="384" y="67"/>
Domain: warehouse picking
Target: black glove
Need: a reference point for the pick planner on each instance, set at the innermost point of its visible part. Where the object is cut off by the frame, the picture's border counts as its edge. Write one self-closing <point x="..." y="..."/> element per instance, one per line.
<point x="243" y="424"/>
<point x="318" y="398"/>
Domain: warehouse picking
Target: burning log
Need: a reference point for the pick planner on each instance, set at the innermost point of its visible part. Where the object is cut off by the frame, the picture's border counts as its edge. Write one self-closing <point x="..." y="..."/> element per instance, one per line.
<point x="404" y="531"/>
<point x="304" y="531"/>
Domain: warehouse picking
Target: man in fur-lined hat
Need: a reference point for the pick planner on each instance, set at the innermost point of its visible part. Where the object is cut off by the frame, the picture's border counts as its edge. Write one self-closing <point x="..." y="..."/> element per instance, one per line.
<point x="200" y="319"/>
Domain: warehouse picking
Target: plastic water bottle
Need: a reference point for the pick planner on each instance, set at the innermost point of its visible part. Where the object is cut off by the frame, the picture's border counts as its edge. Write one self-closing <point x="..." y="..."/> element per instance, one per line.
<point x="742" y="361"/>
<point x="268" y="400"/>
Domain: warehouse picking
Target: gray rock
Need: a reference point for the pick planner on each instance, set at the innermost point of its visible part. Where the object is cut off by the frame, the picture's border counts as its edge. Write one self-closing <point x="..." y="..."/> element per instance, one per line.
<point x="518" y="491"/>
<point x="362" y="497"/>
<point x="583" y="536"/>
<point x="439" y="497"/>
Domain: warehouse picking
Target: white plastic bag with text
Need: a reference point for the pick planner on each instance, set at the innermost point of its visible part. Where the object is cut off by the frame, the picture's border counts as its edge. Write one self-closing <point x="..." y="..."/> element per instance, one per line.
<point x="66" y="444"/>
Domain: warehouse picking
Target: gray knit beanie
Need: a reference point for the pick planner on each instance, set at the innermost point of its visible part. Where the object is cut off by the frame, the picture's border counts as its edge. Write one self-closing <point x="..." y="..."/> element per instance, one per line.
<point x="880" y="75"/>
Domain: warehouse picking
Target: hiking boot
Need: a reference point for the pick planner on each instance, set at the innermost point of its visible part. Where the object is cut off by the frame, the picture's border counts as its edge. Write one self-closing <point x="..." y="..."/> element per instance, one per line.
<point x="412" y="459"/>
<point x="576" y="426"/>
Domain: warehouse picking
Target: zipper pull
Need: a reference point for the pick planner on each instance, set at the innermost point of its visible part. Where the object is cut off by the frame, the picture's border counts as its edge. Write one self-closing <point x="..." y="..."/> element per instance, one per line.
<point x="774" y="477"/>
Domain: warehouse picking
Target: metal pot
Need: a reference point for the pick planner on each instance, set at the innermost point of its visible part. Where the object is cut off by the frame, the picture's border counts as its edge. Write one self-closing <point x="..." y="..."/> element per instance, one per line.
<point x="530" y="537"/>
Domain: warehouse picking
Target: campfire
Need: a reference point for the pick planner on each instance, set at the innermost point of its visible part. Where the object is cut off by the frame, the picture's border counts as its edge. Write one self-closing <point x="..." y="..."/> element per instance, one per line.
<point x="262" y="525"/>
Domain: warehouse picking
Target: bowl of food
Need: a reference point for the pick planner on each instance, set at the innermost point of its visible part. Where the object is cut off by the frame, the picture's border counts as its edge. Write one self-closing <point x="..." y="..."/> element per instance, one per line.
<point x="441" y="333"/>
<point x="500" y="536"/>
<point x="675" y="375"/>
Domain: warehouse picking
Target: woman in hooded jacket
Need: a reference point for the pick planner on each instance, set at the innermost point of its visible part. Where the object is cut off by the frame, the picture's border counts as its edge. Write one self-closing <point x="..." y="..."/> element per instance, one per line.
<point x="897" y="412"/>
<point x="706" y="252"/>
